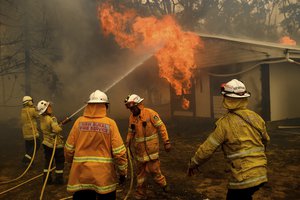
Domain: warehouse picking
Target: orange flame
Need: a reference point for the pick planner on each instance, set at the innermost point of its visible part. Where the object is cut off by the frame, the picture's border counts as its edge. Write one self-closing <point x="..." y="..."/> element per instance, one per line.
<point x="176" y="57"/>
<point x="287" y="40"/>
<point x="185" y="103"/>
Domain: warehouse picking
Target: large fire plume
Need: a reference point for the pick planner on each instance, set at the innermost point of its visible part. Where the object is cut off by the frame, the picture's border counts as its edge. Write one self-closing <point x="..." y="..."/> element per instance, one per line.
<point x="177" y="48"/>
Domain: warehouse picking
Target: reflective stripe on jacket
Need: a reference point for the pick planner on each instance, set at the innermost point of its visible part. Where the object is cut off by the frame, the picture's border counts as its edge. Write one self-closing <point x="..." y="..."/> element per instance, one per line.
<point x="145" y="134"/>
<point x="95" y="147"/>
<point x="50" y="129"/>
<point x="29" y="124"/>
<point x="242" y="144"/>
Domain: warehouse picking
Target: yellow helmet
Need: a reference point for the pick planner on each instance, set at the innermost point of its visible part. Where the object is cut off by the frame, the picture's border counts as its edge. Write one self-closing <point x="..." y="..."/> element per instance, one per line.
<point x="26" y="99"/>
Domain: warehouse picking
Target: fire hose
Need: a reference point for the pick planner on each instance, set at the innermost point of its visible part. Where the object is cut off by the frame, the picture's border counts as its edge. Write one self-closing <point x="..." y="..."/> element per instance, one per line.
<point x="47" y="176"/>
<point x="131" y="173"/>
<point x="49" y="167"/>
<point x="64" y="122"/>
<point x="48" y="171"/>
<point x="32" y="158"/>
<point x="19" y="185"/>
<point x="50" y="164"/>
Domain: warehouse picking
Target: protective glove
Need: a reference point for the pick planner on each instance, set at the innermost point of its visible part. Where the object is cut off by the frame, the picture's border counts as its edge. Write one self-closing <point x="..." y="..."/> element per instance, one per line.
<point x="66" y="120"/>
<point x="122" y="179"/>
<point x="167" y="146"/>
<point x="192" y="167"/>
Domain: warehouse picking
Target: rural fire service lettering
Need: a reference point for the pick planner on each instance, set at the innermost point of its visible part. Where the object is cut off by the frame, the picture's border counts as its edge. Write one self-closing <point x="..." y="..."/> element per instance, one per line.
<point x="94" y="126"/>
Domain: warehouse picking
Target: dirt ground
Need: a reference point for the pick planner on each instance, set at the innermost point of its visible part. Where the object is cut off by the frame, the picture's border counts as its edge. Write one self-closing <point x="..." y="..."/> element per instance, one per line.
<point x="210" y="183"/>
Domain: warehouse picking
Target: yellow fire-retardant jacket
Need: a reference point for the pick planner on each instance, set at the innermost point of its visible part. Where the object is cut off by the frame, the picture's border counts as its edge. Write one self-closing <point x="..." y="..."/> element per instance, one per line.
<point x="29" y="125"/>
<point x="242" y="145"/>
<point x="144" y="132"/>
<point x="50" y="129"/>
<point x="95" y="147"/>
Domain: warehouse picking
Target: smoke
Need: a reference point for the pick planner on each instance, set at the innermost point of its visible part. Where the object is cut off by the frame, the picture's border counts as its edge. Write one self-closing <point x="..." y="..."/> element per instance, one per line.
<point x="85" y="60"/>
<point x="89" y="61"/>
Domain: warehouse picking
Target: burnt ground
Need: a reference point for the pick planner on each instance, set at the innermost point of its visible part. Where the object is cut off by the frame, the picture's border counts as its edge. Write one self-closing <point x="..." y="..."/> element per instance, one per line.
<point x="210" y="183"/>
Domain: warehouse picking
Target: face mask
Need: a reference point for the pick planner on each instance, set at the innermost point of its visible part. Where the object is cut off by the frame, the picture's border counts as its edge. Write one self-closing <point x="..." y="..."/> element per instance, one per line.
<point x="135" y="111"/>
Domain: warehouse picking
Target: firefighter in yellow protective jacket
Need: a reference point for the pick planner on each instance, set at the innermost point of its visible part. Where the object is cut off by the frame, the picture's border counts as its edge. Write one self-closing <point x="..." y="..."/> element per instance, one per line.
<point x="144" y="128"/>
<point x="95" y="148"/>
<point x="51" y="130"/>
<point x="29" y="116"/>
<point x="243" y="137"/>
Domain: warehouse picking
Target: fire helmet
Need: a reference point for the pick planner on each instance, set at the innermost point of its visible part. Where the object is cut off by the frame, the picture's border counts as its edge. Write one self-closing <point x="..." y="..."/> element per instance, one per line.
<point x="26" y="99"/>
<point x="42" y="106"/>
<point x="98" y="97"/>
<point x="234" y="89"/>
<point x="132" y="100"/>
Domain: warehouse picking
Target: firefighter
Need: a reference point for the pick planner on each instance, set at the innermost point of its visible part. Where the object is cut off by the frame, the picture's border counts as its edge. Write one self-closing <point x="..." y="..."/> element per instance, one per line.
<point x="144" y="126"/>
<point x="51" y="129"/>
<point x="29" y="116"/>
<point x="243" y="137"/>
<point x="95" y="148"/>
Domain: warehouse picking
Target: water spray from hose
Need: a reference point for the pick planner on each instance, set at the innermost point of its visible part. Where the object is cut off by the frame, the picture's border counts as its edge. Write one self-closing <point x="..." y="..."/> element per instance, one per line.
<point x="148" y="56"/>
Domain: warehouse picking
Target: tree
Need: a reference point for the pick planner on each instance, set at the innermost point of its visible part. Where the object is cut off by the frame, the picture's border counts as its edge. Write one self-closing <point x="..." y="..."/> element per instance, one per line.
<point x="237" y="18"/>
<point x="26" y="45"/>
<point x="291" y="21"/>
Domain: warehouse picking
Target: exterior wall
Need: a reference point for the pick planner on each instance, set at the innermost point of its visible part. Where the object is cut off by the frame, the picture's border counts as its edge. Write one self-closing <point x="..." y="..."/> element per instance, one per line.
<point x="252" y="80"/>
<point x="284" y="91"/>
<point x="154" y="90"/>
<point x="202" y="95"/>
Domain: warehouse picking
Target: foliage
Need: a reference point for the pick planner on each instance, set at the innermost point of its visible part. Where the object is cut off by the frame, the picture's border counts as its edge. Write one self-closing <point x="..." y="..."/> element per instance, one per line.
<point x="256" y="19"/>
<point x="291" y="21"/>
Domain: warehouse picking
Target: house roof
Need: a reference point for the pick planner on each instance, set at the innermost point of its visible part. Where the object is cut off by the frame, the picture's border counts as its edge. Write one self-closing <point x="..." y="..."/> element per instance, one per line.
<point x="221" y="50"/>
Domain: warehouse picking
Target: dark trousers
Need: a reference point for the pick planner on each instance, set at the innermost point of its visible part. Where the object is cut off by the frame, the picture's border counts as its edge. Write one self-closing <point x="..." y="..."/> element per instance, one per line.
<point x="59" y="157"/>
<point x="242" y="194"/>
<point x="92" y="195"/>
<point x="29" y="148"/>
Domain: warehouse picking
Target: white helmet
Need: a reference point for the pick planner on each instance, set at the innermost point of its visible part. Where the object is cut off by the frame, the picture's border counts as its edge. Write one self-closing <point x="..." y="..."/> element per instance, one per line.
<point x="26" y="99"/>
<point x="42" y="106"/>
<point x="132" y="100"/>
<point x="98" y="97"/>
<point x="234" y="89"/>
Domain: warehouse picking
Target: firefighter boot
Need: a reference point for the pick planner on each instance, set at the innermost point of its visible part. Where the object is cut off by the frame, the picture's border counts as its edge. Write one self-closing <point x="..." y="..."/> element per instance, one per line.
<point x="166" y="189"/>
<point x="49" y="181"/>
<point x="140" y="192"/>
<point x="59" y="179"/>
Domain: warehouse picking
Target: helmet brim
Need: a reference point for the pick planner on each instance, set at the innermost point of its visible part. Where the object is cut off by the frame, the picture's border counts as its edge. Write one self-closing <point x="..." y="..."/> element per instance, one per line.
<point x="97" y="101"/>
<point x="234" y="95"/>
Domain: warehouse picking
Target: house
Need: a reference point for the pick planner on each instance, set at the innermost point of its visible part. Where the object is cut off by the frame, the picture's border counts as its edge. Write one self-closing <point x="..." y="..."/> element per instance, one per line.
<point x="270" y="71"/>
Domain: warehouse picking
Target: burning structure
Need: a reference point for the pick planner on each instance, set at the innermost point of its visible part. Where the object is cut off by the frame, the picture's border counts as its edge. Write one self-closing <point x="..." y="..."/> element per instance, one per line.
<point x="195" y="65"/>
<point x="270" y="71"/>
